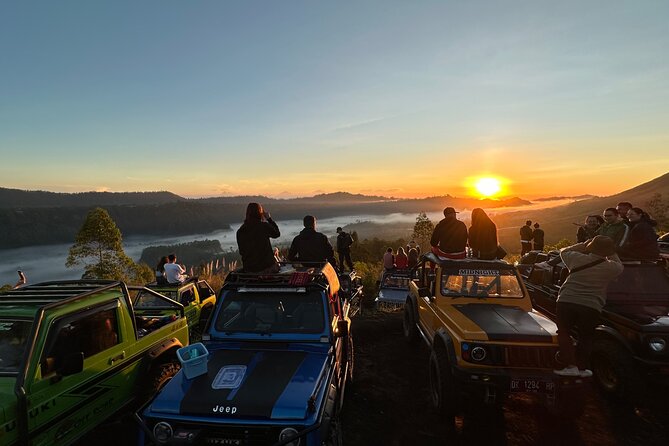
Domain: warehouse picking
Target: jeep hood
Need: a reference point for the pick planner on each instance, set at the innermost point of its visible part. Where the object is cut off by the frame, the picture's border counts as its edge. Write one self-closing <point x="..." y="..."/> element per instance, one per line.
<point x="652" y="317"/>
<point x="238" y="384"/>
<point x="508" y="324"/>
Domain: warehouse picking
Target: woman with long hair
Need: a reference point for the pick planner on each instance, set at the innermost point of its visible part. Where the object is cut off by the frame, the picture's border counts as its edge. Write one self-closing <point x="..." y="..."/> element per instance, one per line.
<point x="253" y="241"/>
<point x="160" y="271"/>
<point x="483" y="236"/>
<point x="641" y="243"/>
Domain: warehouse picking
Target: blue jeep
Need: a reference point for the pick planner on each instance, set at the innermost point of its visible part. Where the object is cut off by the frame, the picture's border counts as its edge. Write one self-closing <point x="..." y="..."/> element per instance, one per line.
<point x="280" y="354"/>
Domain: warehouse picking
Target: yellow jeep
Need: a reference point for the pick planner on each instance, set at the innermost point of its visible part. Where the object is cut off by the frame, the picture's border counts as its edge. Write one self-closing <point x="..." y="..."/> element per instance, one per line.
<point x="485" y="339"/>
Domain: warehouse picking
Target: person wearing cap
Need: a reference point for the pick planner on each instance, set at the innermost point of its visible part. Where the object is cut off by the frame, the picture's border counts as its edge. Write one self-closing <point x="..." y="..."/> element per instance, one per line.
<point x="592" y="265"/>
<point x="344" y="242"/>
<point x="526" y="238"/>
<point x="449" y="238"/>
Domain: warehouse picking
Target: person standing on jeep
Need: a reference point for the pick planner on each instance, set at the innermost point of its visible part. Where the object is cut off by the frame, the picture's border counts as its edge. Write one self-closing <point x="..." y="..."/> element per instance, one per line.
<point x="613" y="226"/>
<point x="526" y="238"/>
<point x="344" y="242"/>
<point x="449" y="238"/>
<point x="311" y="246"/>
<point x="582" y="296"/>
<point x="538" y="237"/>
<point x="253" y="241"/>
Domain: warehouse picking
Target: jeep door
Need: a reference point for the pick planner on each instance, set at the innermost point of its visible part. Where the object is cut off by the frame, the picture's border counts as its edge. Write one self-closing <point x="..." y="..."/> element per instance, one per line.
<point x="426" y="286"/>
<point x="81" y="378"/>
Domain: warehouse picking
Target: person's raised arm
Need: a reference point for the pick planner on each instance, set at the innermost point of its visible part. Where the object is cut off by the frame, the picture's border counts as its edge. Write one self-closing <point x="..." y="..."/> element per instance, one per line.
<point x="272" y="227"/>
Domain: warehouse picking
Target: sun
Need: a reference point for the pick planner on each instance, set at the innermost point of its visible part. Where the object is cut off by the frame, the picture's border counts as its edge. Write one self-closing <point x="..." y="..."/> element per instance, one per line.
<point x="488" y="186"/>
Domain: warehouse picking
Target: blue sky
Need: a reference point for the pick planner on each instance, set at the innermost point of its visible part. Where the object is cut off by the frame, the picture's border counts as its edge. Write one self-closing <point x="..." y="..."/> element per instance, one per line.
<point x="292" y="98"/>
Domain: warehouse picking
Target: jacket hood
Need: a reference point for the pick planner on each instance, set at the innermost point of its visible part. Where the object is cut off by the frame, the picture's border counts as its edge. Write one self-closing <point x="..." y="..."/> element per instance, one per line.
<point x="238" y="384"/>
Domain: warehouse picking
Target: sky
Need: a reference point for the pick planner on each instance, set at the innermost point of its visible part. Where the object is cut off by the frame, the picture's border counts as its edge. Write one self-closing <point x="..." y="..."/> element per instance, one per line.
<point x="292" y="98"/>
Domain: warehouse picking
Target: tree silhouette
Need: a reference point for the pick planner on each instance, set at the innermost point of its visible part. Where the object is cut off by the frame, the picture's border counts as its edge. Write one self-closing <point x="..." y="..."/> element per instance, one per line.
<point x="98" y="246"/>
<point x="422" y="231"/>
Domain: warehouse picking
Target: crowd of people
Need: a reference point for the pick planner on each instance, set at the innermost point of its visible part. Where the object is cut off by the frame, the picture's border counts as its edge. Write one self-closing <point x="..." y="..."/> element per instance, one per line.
<point x="631" y="229"/>
<point x="403" y="259"/>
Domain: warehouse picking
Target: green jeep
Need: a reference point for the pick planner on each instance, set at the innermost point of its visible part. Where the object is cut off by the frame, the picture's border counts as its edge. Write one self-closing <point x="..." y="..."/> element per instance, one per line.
<point x="197" y="297"/>
<point x="74" y="353"/>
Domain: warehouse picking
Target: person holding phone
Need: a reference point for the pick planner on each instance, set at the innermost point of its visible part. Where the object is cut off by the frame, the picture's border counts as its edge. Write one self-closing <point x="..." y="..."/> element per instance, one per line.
<point x="253" y="240"/>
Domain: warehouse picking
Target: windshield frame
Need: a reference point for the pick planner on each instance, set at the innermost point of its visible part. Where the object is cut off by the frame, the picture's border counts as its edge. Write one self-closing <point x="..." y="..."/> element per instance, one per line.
<point x="471" y="273"/>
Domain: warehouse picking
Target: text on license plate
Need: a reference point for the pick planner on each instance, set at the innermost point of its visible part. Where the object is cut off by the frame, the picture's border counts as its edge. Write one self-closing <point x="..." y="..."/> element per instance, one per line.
<point x="531" y="385"/>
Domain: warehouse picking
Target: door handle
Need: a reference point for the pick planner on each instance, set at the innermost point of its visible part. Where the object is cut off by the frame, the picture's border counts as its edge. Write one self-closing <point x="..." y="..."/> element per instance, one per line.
<point x="117" y="357"/>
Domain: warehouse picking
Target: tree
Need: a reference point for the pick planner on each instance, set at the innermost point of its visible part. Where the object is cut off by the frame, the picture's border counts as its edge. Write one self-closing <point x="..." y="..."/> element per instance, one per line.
<point x="98" y="246"/>
<point x="422" y="231"/>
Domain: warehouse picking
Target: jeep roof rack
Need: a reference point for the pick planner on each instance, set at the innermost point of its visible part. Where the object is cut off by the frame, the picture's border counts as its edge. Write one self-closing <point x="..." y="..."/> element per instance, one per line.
<point x="46" y="293"/>
<point x="292" y="276"/>
<point x="498" y="263"/>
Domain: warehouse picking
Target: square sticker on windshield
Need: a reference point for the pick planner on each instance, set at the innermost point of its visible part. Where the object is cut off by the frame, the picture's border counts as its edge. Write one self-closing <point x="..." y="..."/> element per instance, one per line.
<point x="229" y="377"/>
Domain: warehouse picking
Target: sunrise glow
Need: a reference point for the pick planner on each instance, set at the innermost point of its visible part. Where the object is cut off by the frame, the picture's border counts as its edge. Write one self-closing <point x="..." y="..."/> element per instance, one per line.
<point x="488" y="186"/>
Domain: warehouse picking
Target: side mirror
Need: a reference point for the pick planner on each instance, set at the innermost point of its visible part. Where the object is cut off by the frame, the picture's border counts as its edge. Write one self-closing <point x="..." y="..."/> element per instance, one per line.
<point x="72" y="364"/>
<point x="423" y="292"/>
<point x="342" y="329"/>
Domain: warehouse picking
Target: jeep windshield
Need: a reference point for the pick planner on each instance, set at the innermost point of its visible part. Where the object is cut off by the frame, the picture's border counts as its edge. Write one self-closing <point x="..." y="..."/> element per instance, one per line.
<point x="400" y="281"/>
<point x="271" y="312"/>
<point x="13" y="338"/>
<point x="480" y="282"/>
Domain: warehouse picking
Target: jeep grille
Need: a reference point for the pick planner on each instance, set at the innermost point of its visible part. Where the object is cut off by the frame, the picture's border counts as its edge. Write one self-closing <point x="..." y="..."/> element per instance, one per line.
<point x="540" y="357"/>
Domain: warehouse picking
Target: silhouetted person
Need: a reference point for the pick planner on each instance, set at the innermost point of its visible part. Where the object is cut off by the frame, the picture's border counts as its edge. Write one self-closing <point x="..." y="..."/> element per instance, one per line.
<point x="389" y="259"/>
<point x="413" y="257"/>
<point x="344" y="243"/>
<point x="589" y="229"/>
<point x="526" y="238"/>
<point x="449" y="238"/>
<point x="253" y="241"/>
<point x="401" y="259"/>
<point x="614" y="227"/>
<point x="623" y="208"/>
<point x="642" y="240"/>
<point x="311" y="246"/>
<point x="160" y="271"/>
<point x="538" y="237"/>
<point x="483" y="236"/>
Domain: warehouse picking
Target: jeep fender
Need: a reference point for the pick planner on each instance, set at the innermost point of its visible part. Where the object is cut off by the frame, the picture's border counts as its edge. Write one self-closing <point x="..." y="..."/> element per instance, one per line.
<point x="606" y="332"/>
<point x="442" y="337"/>
<point x="164" y="347"/>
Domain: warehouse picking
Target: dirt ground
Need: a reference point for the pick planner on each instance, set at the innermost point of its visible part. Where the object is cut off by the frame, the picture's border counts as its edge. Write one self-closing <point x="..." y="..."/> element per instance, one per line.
<point x="388" y="404"/>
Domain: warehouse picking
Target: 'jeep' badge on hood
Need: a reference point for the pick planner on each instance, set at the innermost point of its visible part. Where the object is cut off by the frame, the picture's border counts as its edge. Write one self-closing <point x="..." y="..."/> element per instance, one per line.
<point x="229" y="377"/>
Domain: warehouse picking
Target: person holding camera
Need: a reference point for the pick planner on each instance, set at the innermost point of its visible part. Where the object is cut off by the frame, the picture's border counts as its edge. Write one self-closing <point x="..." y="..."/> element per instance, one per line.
<point x="253" y="240"/>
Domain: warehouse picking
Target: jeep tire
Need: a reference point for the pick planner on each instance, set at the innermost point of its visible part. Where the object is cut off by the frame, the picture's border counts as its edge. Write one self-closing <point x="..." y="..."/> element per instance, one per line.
<point x="409" y="324"/>
<point x="614" y="370"/>
<point x="442" y="388"/>
<point x="159" y="375"/>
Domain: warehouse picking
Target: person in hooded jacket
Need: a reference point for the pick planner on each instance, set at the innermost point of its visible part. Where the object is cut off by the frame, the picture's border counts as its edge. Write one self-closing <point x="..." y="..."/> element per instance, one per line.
<point x="483" y="236"/>
<point x="641" y="243"/>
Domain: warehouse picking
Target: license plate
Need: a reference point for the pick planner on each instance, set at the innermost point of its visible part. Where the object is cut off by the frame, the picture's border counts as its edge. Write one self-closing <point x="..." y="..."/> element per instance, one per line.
<point x="530" y="385"/>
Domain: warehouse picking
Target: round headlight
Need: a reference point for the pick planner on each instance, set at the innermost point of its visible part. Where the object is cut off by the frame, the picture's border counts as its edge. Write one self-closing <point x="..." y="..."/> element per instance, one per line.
<point x="657" y="344"/>
<point x="162" y="432"/>
<point x="288" y="433"/>
<point x="478" y="353"/>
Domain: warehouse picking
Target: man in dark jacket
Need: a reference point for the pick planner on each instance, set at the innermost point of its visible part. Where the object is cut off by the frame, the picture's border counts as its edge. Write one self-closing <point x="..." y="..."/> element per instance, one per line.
<point x="344" y="242"/>
<point x="311" y="246"/>
<point x="526" y="238"/>
<point x="449" y="238"/>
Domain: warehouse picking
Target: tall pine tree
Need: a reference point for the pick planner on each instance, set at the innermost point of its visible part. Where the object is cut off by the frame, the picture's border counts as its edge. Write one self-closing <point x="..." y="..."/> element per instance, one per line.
<point x="98" y="246"/>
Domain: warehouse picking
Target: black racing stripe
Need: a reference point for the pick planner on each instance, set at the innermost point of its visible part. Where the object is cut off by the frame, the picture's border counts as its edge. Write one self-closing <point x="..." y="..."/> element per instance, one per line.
<point x="503" y="323"/>
<point x="267" y="375"/>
